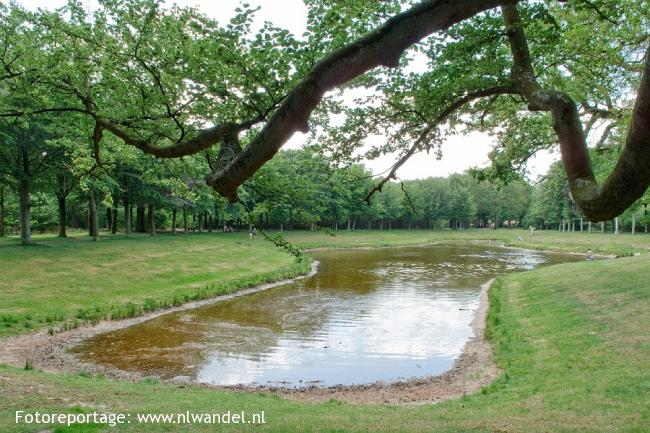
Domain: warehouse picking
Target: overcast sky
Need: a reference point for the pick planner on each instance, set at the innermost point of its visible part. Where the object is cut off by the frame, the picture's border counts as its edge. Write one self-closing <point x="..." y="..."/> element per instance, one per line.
<point x="459" y="152"/>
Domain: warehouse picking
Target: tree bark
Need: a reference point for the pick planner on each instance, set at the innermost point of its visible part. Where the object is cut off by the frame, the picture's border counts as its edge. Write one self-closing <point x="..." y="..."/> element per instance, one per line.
<point x="109" y="218"/>
<point x="92" y="216"/>
<point x="127" y="216"/>
<point x="25" y="210"/>
<point x="60" y="198"/>
<point x="114" y="219"/>
<point x="633" y="223"/>
<point x="174" y="212"/>
<point x="152" y="220"/>
<point x="140" y="223"/>
<point x="630" y="178"/>
<point x="616" y="228"/>
<point x="185" y="222"/>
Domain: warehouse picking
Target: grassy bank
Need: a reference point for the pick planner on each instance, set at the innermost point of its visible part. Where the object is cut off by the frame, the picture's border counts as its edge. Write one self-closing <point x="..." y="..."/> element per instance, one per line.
<point x="59" y="283"/>
<point x="608" y="244"/>
<point x="572" y="340"/>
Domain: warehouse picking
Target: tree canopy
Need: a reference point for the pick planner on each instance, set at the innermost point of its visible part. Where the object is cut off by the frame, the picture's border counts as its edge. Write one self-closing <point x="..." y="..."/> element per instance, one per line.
<point x="172" y="83"/>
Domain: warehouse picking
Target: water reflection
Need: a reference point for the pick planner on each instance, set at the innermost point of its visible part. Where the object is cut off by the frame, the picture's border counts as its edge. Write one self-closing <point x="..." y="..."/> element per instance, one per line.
<point x="367" y="315"/>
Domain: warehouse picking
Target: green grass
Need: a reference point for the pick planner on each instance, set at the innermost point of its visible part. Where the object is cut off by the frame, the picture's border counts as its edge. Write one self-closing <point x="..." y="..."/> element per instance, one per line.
<point x="608" y="244"/>
<point x="572" y="340"/>
<point x="59" y="283"/>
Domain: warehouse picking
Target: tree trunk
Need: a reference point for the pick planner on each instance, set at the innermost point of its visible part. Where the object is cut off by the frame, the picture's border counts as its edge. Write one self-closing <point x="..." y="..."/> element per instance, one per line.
<point x="25" y="228"/>
<point x="2" y="211"/>
<point x="139" y="223"/>
<point x="616" y="229"/>
<point x="114" y="220"/>
<point x="60" y="198"/>
<point x="633" y="223"/>
<point x="602" y="226"/>
<point x="127" y="216"/>
<point x="109" y="218"/>
<point x="200" y="222"/>
<point x="208" y="222"/>
<point x="185" y="222"/>
<point x="92" y="216"/>
<point x="152" y="220"/>
<point x="74" y="218"/>
<point x="174" y="212"/>
<point x="589" y="227"/>
<point x="582" y="222"/>
<point x="349" y="224"/>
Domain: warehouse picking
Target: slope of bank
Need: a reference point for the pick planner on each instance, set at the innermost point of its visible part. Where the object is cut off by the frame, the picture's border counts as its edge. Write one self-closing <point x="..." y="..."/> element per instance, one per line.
<point x="58" y="284"/>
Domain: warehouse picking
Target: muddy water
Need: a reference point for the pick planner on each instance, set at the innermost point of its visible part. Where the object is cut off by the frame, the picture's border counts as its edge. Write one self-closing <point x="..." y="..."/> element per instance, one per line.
<point x="367" y="315"/>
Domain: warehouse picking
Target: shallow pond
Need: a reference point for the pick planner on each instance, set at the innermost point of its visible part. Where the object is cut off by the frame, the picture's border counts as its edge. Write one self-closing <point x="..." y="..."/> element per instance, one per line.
<point x="367" y="315"/>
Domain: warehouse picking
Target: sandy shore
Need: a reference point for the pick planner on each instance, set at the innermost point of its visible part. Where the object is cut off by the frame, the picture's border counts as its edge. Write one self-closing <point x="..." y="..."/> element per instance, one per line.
<point x="473" y="369"/>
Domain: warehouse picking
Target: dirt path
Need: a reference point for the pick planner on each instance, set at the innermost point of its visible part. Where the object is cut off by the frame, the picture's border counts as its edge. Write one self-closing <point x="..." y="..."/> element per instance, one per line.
<point x="473" y="369"/>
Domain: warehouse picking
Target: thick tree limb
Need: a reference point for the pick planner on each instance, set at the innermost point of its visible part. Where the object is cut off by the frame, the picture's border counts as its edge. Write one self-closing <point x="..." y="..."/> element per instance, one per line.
<point x="631" y="176"/>
<point x="206" y="138"/>
<point x="383" y="47"/>
<point x="434" y="124"/>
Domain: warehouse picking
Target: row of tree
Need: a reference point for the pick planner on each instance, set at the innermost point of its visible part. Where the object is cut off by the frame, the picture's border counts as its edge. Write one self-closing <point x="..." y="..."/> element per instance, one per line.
<point x="48" y="182"/>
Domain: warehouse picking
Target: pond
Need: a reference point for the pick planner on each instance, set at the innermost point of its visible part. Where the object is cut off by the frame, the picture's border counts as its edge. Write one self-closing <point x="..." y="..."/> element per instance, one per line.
<point x="367" y="315"/>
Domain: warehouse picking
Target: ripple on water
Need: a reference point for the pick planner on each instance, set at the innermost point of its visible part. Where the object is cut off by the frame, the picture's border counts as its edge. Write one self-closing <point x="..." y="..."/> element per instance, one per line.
<point x="367" y="315"/>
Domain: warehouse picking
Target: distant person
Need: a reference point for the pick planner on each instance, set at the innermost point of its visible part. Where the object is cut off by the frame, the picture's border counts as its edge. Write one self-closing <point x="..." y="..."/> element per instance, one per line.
<point x="590" y="255"/>
<point x="253" y="233"/>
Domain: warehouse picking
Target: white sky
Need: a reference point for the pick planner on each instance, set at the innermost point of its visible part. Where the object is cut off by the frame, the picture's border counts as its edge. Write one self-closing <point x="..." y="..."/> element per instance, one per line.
<point x="459" y="152"/>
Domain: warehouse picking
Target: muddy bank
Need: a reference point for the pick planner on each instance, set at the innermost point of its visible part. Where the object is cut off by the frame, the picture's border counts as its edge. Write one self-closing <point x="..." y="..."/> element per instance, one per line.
<point x="472" y="370"/>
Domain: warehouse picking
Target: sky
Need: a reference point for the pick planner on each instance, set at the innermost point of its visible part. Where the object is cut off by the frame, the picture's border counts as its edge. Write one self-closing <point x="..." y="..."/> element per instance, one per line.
<point x="459" y="152"/>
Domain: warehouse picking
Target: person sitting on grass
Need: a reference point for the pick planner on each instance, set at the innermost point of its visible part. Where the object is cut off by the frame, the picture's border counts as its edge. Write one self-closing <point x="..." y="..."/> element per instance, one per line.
<point x="590" y="255"/>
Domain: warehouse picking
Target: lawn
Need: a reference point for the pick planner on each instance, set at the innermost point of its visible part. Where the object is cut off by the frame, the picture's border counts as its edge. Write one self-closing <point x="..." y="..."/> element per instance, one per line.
<point x="572" y="340"/>
<point x="63" y="282"/>
<point x="607" y="243"/>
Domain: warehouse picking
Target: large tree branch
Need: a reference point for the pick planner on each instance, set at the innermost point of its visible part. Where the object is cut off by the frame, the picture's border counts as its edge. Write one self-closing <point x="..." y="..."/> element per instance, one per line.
<point x="435" y="123"/>
<point x="205" y="139"/>
<point x="631" y="176"/>
<point x="383" y="47"/>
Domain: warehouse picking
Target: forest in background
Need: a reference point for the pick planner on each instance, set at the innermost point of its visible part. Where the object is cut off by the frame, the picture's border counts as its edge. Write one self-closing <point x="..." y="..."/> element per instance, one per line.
<point x="299" y="189"/>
